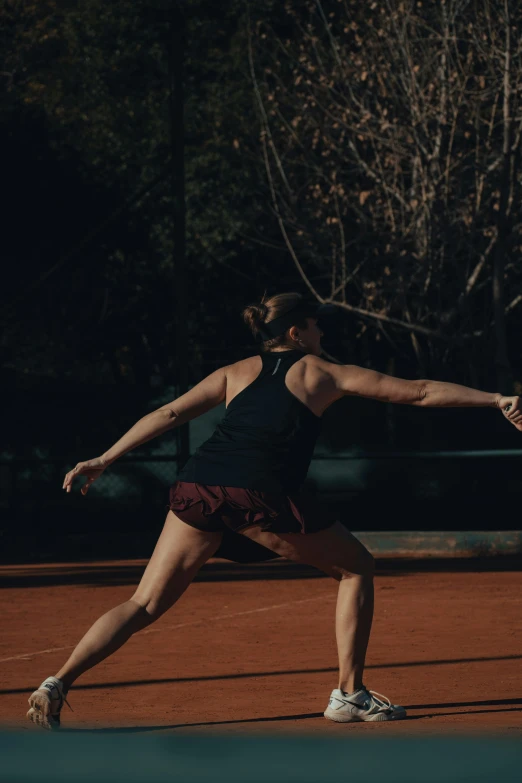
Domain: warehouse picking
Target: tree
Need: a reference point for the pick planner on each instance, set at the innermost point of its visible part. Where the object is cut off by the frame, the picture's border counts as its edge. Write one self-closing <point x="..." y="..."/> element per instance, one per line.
<point x="390" y="138"/>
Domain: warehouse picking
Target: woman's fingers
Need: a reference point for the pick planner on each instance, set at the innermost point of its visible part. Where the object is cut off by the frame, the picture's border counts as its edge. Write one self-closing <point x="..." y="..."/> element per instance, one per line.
<point x="69" y="479"/>
<point x="86" y="486"/>
<point x="92" y="469"/>
<point x="512" y="410"/>
<point x="515" y="419"/>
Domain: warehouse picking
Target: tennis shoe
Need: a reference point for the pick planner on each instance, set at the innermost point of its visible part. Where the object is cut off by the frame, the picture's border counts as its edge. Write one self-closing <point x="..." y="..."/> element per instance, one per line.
<point x="46" y="702"/>
<point x="361" y="705"/>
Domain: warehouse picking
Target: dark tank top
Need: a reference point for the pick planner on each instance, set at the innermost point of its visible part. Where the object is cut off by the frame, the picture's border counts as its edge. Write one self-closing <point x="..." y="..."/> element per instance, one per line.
<point x="265" y="440"/>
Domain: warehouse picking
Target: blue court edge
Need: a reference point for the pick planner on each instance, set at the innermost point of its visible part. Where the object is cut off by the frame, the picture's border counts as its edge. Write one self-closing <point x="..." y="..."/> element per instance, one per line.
<point x="130" y="756"/>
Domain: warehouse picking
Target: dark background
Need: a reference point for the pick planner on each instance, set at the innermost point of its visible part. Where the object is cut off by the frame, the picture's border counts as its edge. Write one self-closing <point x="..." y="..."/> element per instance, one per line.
<point x="95" y="274"/>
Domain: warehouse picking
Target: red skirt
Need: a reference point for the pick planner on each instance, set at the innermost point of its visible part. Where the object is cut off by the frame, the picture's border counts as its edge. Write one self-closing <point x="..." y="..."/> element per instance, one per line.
<point x="218" y="509"/>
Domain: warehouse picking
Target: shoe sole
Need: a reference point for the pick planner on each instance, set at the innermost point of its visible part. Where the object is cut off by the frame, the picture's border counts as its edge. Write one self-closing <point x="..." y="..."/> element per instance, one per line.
<point x="39" y="712"/>
<point x="338" y="717"/>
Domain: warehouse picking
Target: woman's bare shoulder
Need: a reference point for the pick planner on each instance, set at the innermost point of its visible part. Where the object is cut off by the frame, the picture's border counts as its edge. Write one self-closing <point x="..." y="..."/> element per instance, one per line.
<point x="320" y="364"/>
<point x="244" y="368"/>
<point x="251" y="362"/>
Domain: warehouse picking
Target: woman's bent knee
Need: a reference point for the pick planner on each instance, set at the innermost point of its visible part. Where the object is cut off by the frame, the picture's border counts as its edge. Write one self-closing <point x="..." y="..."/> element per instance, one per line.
<point x="362" y="566"/>
<point x="282" y="545"/>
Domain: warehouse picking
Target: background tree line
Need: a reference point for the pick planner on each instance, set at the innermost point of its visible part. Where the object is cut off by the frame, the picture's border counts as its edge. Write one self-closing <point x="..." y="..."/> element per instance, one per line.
<point x="367" y="154"/>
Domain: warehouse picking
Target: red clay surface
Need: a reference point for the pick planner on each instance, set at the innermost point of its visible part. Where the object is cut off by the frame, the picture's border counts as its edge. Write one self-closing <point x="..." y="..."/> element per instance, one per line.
<point x="252" y="648"/>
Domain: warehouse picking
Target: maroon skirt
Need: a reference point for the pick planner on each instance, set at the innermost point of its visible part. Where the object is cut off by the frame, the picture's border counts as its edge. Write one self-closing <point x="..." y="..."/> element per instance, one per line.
<point x="218" y="509"/>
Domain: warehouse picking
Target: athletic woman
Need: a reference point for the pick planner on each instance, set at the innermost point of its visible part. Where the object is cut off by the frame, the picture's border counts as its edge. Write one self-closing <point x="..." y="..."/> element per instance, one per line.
<point x="246" y="478"/>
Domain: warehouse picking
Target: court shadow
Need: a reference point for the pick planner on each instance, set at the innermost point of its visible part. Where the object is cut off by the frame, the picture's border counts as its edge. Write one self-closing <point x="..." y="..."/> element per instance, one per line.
<point x="479" y="564"/>
<point x="111" y="574"/>
<point x="461" y="712"/>
<point x="487" y="703"/>
<point x="140" y="729"/>
<point x="117" y="574"/>
<point x="299" y="717"/>
<point x="290" y="672"/>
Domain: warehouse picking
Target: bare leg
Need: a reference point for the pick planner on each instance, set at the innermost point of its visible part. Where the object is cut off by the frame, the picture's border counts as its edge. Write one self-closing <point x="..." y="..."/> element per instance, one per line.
<point x="353" y="623"/>
<point x="179" y="554"/>
<point x="339" y="554"/>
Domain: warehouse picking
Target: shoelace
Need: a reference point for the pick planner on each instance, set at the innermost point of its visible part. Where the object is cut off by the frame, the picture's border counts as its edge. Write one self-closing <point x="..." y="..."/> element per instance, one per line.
<point x="64" y="699"/>
<point x="384" y="705"/>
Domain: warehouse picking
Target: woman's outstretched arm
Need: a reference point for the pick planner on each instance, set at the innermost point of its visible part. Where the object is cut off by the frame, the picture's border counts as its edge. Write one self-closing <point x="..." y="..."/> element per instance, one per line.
<point x="354" y="380"/>
<point x="205" y="395"/>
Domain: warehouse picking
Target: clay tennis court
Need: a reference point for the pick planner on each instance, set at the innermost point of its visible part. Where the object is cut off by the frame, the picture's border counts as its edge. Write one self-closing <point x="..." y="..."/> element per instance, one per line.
<point x="251" y="648"/>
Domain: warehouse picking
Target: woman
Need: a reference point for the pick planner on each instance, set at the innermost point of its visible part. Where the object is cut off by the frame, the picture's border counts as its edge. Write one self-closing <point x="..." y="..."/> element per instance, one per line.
<point x="246" y="479"/>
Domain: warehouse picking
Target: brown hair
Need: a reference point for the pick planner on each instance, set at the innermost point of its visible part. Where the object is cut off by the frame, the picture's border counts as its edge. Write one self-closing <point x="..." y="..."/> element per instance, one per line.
<point x="269" y="308"/>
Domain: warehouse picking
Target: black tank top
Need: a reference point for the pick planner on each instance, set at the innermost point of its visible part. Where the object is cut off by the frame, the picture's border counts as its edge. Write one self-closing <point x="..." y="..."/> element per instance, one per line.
<point x="265" y="440"/>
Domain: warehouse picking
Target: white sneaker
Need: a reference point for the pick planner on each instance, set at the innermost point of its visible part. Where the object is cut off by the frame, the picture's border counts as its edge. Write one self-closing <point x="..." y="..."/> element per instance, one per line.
<point x="361" y="705"/>
<point x="46" y="703"/>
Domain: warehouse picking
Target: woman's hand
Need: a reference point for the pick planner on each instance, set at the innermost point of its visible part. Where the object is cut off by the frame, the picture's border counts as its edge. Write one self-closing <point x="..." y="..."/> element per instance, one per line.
<point x="93" y="469"/>
<point x="511" y="407"/>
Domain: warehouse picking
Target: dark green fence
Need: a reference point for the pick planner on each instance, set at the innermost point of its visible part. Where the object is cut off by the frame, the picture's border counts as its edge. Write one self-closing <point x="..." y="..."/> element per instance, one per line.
<point x="122" y="514"/>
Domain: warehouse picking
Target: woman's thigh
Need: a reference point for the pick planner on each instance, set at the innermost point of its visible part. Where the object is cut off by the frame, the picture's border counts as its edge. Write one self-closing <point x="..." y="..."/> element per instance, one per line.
<point x="180" y="552"/>
<point x="334" y="550"/>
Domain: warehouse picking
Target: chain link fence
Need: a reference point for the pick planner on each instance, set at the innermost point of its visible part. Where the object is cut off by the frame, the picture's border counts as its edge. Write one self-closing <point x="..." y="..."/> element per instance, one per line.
<point x="137" y="486"/>
<point x="32" y="485"/>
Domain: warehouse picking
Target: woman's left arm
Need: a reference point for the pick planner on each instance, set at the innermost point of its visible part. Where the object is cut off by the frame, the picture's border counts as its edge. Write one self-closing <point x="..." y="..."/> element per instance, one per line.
<point x="205" y="395"/>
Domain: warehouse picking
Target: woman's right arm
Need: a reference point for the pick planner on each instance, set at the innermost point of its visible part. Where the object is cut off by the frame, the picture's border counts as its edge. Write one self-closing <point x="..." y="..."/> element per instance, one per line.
<point x="353" y="380"/>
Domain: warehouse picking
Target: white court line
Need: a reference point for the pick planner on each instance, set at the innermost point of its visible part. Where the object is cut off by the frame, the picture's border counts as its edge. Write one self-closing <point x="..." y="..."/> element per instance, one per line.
<point x="29" y="655"/>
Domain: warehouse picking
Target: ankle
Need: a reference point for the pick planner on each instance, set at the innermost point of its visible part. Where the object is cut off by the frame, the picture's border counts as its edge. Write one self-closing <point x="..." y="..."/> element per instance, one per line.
<point x="351" y="686"/>
<point x="66" y="683"/>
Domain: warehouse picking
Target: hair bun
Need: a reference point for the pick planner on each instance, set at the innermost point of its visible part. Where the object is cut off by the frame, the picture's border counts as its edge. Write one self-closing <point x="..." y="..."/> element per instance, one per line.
<point x="254" y="315"/>
<point x="270" y="308"/>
